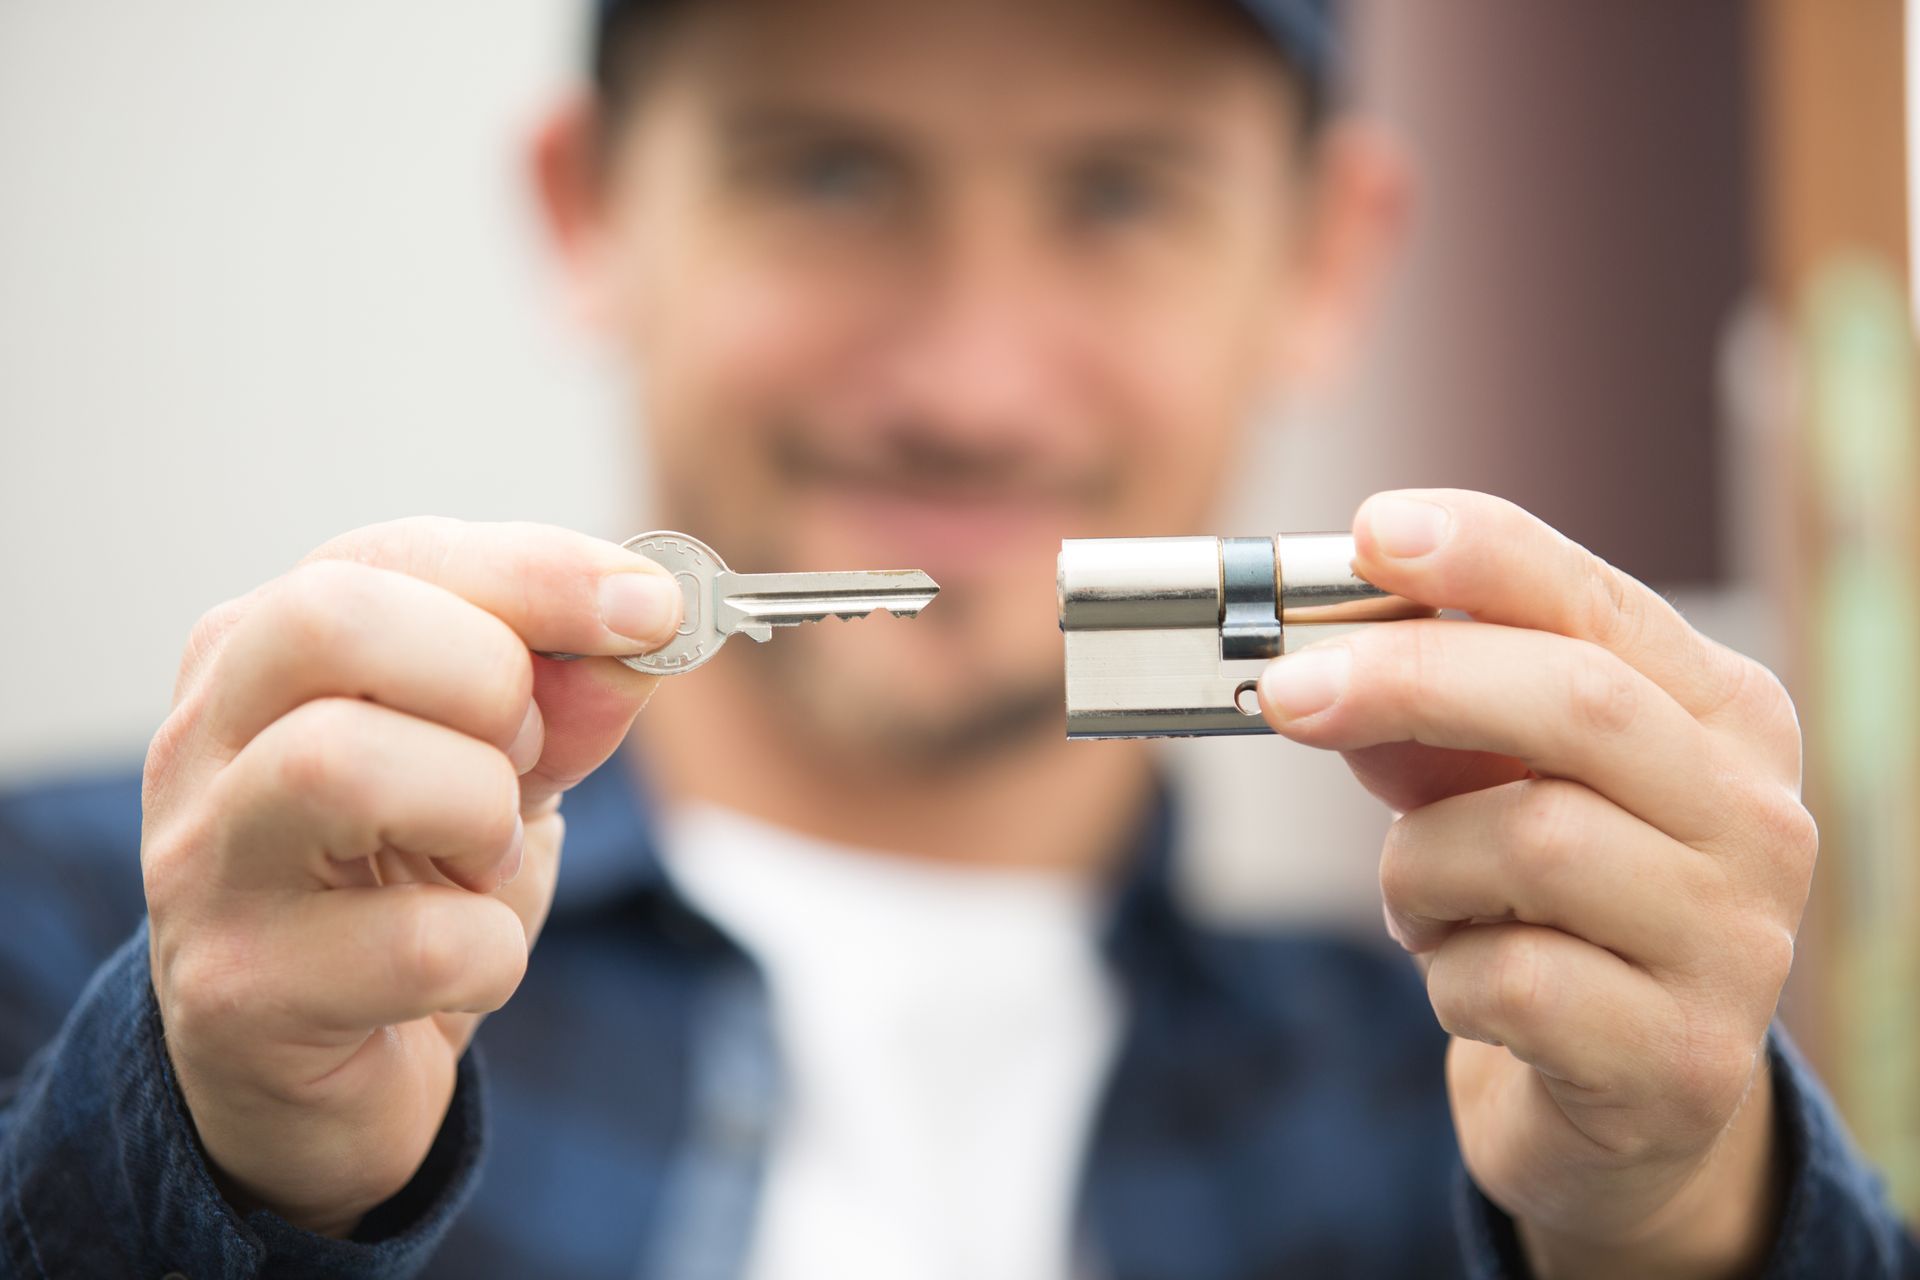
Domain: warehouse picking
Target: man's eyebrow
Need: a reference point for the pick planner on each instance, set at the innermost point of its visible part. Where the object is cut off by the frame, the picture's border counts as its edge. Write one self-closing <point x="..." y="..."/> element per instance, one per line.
<point x="763" y="123"/>
<point x="1160" y="147"/>
<point x="768" y="123"/>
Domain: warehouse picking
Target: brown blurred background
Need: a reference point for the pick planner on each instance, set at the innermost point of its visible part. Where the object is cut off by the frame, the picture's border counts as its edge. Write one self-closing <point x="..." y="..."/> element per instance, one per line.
<point x="1659" y="296"/>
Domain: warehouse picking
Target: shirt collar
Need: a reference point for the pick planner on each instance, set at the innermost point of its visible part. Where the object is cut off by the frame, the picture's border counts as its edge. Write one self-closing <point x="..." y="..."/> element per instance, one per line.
<point x="612" y="857"/>
<point x="611" y="854"/>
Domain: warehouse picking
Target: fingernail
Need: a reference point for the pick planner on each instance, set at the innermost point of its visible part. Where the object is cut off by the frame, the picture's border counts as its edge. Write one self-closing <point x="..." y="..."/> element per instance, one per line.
<point x="1307" y="682"/>
<point x="643" y="607"/>
<point x="515" y="855"/>
<point x="1407" y="528"/>
<point x="524" y="752"/>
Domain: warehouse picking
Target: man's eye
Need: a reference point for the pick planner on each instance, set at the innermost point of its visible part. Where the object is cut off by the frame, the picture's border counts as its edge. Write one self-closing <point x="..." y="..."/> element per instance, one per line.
<point x="1111" y="197"/>
<point x="838" y="175"/>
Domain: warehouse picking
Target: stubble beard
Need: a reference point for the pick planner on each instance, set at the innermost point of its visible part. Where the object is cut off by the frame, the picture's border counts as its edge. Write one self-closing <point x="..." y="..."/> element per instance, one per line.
<point x="845" y="717"/>
<point x="849" y="718"/>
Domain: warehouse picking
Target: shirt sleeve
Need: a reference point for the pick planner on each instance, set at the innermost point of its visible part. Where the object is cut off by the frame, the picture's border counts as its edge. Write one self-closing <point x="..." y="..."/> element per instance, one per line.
<point x="101" y="1171"/>
<point x="1835" y="1223"/>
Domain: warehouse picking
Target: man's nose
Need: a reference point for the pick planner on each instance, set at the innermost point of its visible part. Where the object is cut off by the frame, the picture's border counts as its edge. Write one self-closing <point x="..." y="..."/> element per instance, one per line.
<point x="981" y="349"/>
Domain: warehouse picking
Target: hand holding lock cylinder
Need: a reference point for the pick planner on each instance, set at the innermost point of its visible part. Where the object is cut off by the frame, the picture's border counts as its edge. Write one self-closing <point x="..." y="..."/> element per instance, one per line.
<point x="1166" y="637"/>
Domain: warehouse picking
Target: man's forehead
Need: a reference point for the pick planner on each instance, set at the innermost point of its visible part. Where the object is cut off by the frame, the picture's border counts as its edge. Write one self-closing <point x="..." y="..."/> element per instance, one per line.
<point x="1045" y="76"/>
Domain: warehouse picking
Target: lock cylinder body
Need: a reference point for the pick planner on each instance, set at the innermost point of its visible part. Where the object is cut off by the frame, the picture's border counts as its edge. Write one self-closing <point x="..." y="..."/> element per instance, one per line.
<point x="1166" y="637"/>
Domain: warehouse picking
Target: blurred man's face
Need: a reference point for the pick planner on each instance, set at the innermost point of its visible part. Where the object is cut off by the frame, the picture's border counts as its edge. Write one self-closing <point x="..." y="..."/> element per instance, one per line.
<point x="919" y="284"/>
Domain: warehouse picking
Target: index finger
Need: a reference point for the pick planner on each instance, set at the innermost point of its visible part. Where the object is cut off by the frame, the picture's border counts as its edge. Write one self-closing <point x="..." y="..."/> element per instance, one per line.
<point x="1482" y="555"/>
<point x="557" y="589"/>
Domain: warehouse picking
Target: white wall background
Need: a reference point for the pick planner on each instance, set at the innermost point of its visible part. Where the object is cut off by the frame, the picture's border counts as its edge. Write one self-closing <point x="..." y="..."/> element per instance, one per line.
<point x="267" y="272"/>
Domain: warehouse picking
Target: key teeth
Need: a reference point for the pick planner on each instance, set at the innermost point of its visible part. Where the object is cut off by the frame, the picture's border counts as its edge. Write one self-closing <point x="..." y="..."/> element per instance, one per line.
<point x="880" y="610"/>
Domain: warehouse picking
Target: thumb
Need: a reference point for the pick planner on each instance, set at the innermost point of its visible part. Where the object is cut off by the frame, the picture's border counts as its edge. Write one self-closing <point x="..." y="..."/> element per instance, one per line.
<point x="586" y="708"/>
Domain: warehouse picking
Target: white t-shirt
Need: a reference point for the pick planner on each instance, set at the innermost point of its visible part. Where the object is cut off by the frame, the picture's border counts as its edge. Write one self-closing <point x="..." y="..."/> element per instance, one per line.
<point x="945" y="1031"/>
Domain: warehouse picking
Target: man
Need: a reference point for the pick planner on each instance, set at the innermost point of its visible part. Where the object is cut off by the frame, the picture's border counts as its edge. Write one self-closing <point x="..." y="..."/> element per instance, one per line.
<point x="853" y="966"/>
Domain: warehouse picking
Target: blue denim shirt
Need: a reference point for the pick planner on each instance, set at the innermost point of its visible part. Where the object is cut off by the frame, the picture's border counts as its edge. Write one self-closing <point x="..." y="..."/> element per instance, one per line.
<point x="1277" y="1106"/>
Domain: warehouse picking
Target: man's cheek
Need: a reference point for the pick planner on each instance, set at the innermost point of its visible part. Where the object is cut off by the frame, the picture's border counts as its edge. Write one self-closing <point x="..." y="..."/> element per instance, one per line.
<point x="767" y="330"/>
<point x="713" y="470"/>
<point x="749" y="339"/>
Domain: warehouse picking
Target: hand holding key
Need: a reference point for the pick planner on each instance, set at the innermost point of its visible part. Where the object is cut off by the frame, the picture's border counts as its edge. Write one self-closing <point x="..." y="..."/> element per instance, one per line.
<point x="352" y="818"/>
<point x="718" y="603"/>
<point x="352" y="830"/>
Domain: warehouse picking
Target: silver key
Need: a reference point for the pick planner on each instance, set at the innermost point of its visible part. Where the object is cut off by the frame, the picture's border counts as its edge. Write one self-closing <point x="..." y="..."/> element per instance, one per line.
<point x="720" y="603"/>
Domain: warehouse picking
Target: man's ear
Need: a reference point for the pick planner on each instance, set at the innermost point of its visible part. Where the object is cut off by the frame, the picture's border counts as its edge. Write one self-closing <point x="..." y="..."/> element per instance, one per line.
<point x="567" y="170"/>
<point x="1355" y="221"/>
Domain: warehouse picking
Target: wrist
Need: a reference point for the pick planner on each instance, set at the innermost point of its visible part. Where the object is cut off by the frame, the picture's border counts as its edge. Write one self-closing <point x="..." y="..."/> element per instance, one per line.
<point x="1718" y="1225"/>
<point x="334" y="1225"/>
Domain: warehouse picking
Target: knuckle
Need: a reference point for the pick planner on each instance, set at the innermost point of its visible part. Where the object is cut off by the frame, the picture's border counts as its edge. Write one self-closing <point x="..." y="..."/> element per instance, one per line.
<point x="1602" y="693"/>
<point x="502" y="789"/>
<point x="168" y="877"/>
<point x="409" y="544"/>
<point x="305" y="766"/>
<point x="429" y="953"/>
<point x="208" y="634"/>
<point x="205" y="990"/>
<point x="1787" y="830"/>
<point x="1425" y="657"/>
<point x="1761" y="691"/>
<point x="1713" y="1075"/>
<point x="169" y="749"/>
<point x="1628" y="1142"/>
<point x="508" y="679"/>
<point x="1449" y="1001"/>
<point x="1761" y="688"/>
<point x="163" y="749"/>
<point x="160" y="877"/>
<point x="1397" y="865"/>
<point x="319" y="604"/>
<point x="471" y="953"/>
<point x="1516" y="982"/>
<point x="1543" y="829"/>
<point x="313" y="753"/>
<point x="515" y="956"/>
<point x="1768" y="956"/>
<point x="1614" y="617"/>
<point x="426" y="545"/>
<point x="210" y="626"/>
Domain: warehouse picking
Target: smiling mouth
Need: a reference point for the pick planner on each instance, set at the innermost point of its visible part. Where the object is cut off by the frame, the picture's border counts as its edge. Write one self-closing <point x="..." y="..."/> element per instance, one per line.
<point x="922" y="469"/>
<point x="937" y="506"/>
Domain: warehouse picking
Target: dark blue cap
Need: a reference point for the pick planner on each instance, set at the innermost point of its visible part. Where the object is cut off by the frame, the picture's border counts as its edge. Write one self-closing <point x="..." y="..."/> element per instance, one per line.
<point x="1304" y="31"/>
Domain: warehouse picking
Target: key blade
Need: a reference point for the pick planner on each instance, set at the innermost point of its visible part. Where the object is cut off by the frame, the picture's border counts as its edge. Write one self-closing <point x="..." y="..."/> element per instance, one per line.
<point x="752" y="604"/>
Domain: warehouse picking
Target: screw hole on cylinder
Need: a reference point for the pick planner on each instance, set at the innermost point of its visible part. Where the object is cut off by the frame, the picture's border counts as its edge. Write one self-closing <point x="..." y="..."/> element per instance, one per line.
<point x="1247" y="698"/>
